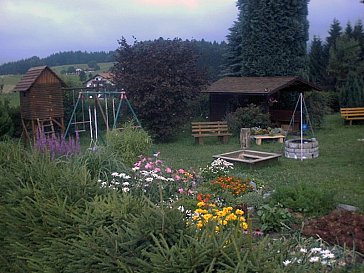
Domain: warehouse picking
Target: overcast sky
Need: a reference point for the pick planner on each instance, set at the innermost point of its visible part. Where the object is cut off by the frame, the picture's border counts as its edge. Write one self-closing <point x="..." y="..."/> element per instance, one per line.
<point x="42" y="27"/>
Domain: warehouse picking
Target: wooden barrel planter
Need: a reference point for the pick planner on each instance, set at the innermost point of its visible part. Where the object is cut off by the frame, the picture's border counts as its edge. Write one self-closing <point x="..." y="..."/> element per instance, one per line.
<point x="305" y="149"/>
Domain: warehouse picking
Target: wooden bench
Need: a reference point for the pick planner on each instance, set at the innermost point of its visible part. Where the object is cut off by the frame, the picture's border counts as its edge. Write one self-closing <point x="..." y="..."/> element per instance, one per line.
<point x="203" y="129"/>
<point x="350" y="114"/>
<point x="259" y="138"/>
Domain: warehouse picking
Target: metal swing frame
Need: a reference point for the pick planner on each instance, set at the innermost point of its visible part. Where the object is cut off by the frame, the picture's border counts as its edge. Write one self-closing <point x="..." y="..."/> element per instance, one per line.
<point x="97" y="95"/>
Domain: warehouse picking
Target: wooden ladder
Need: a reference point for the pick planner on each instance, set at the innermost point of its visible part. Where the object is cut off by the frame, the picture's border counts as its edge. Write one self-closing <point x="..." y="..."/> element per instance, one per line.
<point x="46" y="126"/>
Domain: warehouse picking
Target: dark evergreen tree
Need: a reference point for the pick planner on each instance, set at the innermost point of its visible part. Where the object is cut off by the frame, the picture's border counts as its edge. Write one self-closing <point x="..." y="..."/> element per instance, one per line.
<point x="344" y="58"/>
<point x="82" y="76"/>
<point x="210" y="57"/>
<point x="352" y="91"/>
<point x="334" y="33"/>
<point x="232" y="55"/>
<point x="349" y="30"/>
<point x="273" y="38"/>
<point x="316" y="62"/>
<point x="358" y="34"/>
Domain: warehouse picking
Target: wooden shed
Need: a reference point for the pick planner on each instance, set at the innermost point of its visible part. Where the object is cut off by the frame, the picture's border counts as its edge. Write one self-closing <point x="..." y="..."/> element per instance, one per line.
<point x="41" y="101"/>
<point x="275" y="94"/>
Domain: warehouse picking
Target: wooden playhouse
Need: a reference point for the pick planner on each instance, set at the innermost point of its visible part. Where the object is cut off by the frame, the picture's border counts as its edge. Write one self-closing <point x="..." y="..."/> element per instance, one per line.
<point x="41" y="102"/>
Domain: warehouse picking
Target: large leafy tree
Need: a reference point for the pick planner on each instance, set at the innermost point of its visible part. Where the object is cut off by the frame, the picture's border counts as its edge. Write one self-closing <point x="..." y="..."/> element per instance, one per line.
<point x="273" y="38"/>
<point x="161" y="80"/>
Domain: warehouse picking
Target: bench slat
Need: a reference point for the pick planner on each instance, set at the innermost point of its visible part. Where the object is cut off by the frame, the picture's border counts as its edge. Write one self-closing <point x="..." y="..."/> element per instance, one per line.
<point x="201" y="129"/>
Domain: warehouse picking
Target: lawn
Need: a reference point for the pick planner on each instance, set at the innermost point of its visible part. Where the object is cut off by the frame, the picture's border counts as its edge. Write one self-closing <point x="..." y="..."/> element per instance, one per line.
<point x="9" y="82"/>
<point x="92" y="213"/>
<point x="339" y="166"/>
<point x="103" y="67"/>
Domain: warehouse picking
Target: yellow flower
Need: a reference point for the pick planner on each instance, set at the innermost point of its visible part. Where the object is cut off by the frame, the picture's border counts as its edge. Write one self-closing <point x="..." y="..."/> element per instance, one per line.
<point x="242" y="219"/>
<point x="195" y="217"/>
<point x="207" y="217"/>
<point x="202" y="211"/>
<point x="199" y="224"/>
<point x="244" y="225"/>
<point x="239" y="212"/>
<point x="221" y="213"/>
<point x="224" y="222"/>
<point x="201" y="204"/>
<point x="212" y="205"/>
<point x="231" y="217"/>
<point x="217" y="228"/>
<point x="229" y="208"/>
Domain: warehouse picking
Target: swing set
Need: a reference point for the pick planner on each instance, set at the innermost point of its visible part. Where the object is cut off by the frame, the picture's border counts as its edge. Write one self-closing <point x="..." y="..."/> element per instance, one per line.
<point x="92" y="104"/>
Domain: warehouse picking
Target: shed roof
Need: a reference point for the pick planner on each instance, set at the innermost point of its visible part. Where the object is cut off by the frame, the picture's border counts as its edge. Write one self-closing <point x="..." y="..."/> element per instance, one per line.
<point x="259" y="85"/>
<point x="31" y="77"/>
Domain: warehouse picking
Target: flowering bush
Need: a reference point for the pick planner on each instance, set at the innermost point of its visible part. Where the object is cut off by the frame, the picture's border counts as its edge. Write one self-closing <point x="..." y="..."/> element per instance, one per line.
<point x="266" y="131"/>
<point x="218" y="167"/>
<point x="235" y="185"/>
<point x="57" y="146"/>
<point x="151" y="177"/>
<point x="225" y="217"/>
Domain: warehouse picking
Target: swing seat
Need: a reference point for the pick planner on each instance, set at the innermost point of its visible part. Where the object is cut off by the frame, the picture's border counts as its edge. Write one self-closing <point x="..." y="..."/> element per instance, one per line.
<point x="80" y="122"/>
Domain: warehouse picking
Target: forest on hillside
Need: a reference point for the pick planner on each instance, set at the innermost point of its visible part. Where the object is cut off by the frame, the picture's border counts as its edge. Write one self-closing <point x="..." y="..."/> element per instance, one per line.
<point x="210" y="54"/>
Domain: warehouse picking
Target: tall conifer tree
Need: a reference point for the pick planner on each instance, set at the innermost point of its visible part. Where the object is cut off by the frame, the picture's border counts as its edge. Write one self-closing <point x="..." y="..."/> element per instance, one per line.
<point x="316" y="62"/>
<point x="273" y="37"/>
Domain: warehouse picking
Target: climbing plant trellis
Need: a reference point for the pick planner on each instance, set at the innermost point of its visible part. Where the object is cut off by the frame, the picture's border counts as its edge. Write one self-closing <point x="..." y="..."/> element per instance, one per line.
<point x="91" y="107"/>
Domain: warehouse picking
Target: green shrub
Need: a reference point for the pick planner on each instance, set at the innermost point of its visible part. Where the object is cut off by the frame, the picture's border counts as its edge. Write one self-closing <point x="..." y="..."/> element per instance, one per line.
<point x="308" y="198"/>
<point x="6" y="124"/>
<point x="100" y="163"/>
<point x="252" y="199"/>
<point x="247" y="117"/>
<point x="317" y="107"/>
<point x="129" y="144"/>
<point x="274" y="218"/>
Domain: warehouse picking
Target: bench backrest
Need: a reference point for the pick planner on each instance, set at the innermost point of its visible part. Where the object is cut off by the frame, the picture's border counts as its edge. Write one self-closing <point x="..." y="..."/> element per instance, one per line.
<point x="217" y="127"/>
<point x="352" y="112"/>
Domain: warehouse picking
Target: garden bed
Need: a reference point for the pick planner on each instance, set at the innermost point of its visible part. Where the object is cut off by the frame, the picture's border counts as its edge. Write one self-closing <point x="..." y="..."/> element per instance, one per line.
<point x="339" y="227"/>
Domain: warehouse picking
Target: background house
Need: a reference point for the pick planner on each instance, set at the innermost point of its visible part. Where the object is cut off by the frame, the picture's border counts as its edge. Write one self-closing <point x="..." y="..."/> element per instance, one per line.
<point x="105" y="80"/>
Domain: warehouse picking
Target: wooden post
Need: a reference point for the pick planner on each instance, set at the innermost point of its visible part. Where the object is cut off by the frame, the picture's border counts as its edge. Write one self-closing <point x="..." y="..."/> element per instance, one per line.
<point x="244" y="138"/>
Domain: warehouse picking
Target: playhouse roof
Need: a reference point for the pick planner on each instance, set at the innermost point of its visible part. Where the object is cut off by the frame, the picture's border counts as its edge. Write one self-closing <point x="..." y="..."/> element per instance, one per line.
<point x="259" y="85"/>
<point x="32" y="76"/>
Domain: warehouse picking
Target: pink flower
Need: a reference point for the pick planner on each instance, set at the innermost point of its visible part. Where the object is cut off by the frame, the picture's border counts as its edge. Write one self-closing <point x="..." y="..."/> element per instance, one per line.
<point x="157" y="170"/>
<point x="137" y="164"/>
<point x="181" y="171"/>
<point x="148" y="166"/>
<point x="180" y="190"/>
<point x="177" y="177"/>
<point x="190" y="191"/>
<point x="168" y="170"/>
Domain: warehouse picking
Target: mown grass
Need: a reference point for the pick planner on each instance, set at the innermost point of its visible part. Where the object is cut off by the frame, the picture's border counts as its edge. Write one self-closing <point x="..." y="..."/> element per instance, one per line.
<point x="339" y="167"/>
<point x="103" y="67"/>
<point x="9" y="82"/>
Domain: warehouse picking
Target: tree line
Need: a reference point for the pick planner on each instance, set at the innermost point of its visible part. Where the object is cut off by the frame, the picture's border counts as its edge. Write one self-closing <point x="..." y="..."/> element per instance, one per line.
<point x="337" y="63"/>
<point x="56" y="59"/>
<point x="210" y="58"/>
